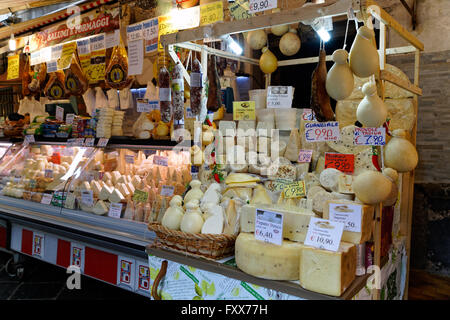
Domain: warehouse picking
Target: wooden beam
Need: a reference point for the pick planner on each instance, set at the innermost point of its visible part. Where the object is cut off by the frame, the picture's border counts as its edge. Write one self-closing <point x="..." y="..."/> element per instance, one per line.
<point x="307" y="12"/>
<point x="392" y="78"/>
<point x="376" y="11"/>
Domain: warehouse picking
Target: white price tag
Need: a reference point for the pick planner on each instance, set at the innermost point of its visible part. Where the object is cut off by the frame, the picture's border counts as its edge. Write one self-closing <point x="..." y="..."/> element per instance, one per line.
<point x="97" y="43"/>
<point x="322" y="131"/>
<point x="87" y="198"/>
<point x="165" y="94"/>
<point x="112" y="39"/>
<point x="59" y="114"/>
<point x="69" y="118"/>
<point x="83" y="46"/>
<point x="305" y="156"/>
<point x="308" y="115"/>
<point x="46" y="54"/>
<point x="134" y="32"/>
<point x="89" y="142"/>
<point x="71" y="142"/>
<point x="324" y="234"/>
<point x="35" y="58"/>
<point x="261" y="5"/>
<point x="150" y="33"/>
<point x="129" y="158"/>
<point x="48" y="173"/>
<point x="115" y="210"/>
<point x="52" y="66"/>
<point x="348" y="214"/>
<point x="145" y="105"/>
<point x="269" y="226"/>
<point x="29" y="138"/>
<point x="102" y="142"/>
<point x="370" y="136"/>
<point x="194" y="172"/>
<point x="55" y="52"/>
<point x="46" y="198"/>
<point x="167" y="191"/>
<point x="161" y="161"/>
<point x="189" y="114"/>
<point x="279" y="97"/>
<point x="196" y="80"/>
<point x="79" y="142"/>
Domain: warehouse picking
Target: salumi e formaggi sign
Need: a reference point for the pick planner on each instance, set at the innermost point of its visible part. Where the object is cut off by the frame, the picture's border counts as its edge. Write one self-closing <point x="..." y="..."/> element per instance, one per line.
<point x="80" y="29"/>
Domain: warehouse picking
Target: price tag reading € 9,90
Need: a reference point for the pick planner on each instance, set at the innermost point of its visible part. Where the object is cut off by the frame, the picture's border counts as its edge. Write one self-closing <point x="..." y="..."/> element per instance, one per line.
<point x="294" y="190"/>
<point x="324" y="234"/>
<point x="269" y="226"/>
<point x="322" y="131"/>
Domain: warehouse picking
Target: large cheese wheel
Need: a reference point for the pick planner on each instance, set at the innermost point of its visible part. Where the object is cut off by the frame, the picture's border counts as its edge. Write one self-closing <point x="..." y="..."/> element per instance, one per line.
<point x="372" y="187"/>
<point x="266" y="260"/>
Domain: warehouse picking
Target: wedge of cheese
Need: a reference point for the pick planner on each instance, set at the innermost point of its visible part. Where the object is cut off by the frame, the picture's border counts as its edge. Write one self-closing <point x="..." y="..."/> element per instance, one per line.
<point x="293" y="146"/>
<point x="96" y="188"/>
<point x="100" y="208"/>
<point x="295" y="220"/>
<point x="365" y="214"/>
<point x="116" y="196"/>
<point x="105" y="192"/>
<point x="266" y="260"/>
<point x="136" y="181"/>
<point x="241" y="178"/>
<point x="130" y="187"/>
<point x="327" y="272"/>
<point x="123" y="189"/>
<point x="107" y="176"/>
<point x="85" y="186"/>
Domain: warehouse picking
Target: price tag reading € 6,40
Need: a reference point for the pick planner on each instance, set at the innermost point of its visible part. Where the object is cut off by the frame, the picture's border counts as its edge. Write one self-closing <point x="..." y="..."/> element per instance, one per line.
<point x="140" y="196"/>
<point x="344" y="162"/>
<point x="269" y="226"/>
<point x="294" y="190"/>
<point x="324" y="234"/>
<point x="369" y="136"/>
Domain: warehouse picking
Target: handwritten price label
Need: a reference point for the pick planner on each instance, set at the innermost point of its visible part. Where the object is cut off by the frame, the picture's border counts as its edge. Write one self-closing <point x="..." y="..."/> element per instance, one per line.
<point x="322" y="131"/>
<point x="211" y="12"/>
<point x="308" y="115"/>
<point x="324" y="234"/>
<point x="348" y="214"/>
<point x="369" y="136"/>
<point x="167" y="191"/>
<point x="269" y="226"/>
<point x="161" y="161"/>
<point x="340" y="161"/>
<point x="294" y="190"/>
<point x="262" y="5"/>
<point x="305" y="156"/>
<point x="140" y="196"/>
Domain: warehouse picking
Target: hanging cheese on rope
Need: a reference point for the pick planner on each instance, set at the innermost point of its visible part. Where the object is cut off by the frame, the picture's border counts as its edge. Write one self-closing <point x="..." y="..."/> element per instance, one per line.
<point x="54" y="89"/>
<point x="116" y="75"/>
<point x="75" y="82"/>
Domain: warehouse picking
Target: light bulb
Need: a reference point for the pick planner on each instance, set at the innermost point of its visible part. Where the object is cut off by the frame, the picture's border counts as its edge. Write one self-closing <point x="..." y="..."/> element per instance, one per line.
<point x="323" y="34"/>
<point x="12" y="43"/>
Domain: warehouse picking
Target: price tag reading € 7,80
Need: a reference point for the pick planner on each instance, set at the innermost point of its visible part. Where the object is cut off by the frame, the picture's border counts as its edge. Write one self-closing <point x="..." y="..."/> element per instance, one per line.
<point x="324" y="234"/>
<point x="370" y="136"/>
<point x="269" y="226"/>
<point x="294" y="190"/>
<point x="140" y="196"/>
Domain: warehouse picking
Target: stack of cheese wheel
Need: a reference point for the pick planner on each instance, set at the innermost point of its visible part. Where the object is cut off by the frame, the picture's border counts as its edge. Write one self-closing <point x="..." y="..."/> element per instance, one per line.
<point x="104" y="124"/>
<point x="117" y="123"/>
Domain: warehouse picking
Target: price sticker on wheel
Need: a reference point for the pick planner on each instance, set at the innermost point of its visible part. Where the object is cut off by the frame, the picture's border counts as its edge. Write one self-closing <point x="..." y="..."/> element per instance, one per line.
<point x="341" y="161"/>
<point x="294" y="190"/>
<point x="269" y="226"/>
<point x="261" y="5"/>
<point x="322" y="131"/>
<point x="348" y="214"/>
<point x="369" y="136"/>
<point x="324" y="234"/>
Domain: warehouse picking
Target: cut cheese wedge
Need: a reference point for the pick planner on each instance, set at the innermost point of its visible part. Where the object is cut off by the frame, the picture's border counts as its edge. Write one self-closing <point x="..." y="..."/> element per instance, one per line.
<point x="266" y="260"/>
<point x="96" y="188"/>
<point x="327" y="272"/>
<point x="107" y="176"/>
<point x="213" y="225"/>
<point x="100" y="208"/>
<point x="295" y="221"/>
<point x="105" y="192"/>
<point x="240" y="178"/>
<point x="136" y="181"/>
<point x="116" y="196"/>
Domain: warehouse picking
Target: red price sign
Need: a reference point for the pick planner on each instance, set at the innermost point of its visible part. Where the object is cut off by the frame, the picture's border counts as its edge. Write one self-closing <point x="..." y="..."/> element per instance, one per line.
<point x="340" y="161"/>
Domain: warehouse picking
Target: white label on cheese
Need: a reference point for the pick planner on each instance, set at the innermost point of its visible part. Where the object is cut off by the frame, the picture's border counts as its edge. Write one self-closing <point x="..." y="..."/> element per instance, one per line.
<point x="161" y="161"/>
<point x="46" y="198"/>
<point x="102" y="142"/>
<point x="196" y="80"/>
<point x="29" y="138"/>
<point x="87" y="198"/>
<point x="269" y="226"/>
<point x="165" y="94"/>
<point x="324" y="234"/>
<point x="322" y="131"/>
<point x="59" y="113"/>
<point x="305" y="156"/>
<point x="261" y="5"/>
<point x="308" y="115"/>
<point x="348" y="214"/>
<point x="69" y="118"/>
<point x="145" y="105"/>
<point x="279" y="97"/>
<point x="115" y="209"/>
<point x="89" y="142"/>
<point x="83" y="46"/>
<point x="167" y="191"/>
<point x="369" y="136"/>
<point x="129" y="158"/>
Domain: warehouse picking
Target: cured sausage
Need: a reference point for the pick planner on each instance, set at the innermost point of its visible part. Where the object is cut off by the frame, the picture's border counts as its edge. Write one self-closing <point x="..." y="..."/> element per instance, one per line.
<point x="165" y="100"/>
<point x="214" y="93"/>
<point x="320" y="101"/>
<point x="196" y="87"/>
<point x="178" y="92"/>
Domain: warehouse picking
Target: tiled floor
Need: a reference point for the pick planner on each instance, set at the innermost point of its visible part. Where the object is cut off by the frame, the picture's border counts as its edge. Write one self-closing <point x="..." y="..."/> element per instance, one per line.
<point x="43" y="281"/>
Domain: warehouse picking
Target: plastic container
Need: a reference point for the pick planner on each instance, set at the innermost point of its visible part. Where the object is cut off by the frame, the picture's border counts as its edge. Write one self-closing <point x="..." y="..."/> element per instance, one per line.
<point x="286" y="119"/>
<point x="260" y="98"/>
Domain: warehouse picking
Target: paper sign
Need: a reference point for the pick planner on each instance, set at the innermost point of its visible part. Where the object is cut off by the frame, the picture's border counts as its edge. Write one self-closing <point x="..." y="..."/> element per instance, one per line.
<point x="279" y="97"/>
<point x="135" y="57"/>
<point x="55" y="52"/>
<point x="59" y="114"/>
<point x="140" y="196"/>
<point x="305" y="156"/>
<point x="89" y="142"/>
<point x="308" y="115"/>
<point x="87" y="198"/>
<point x="165" y="27"/>
<point x="150" y="33"/>
<point x="79" y="142"/>
<point x="239" y="9"/>
<point x="211" y="12"/>
<point x="187" y="18"/>
<point x="262" y="5"/>
<point x="46" y="198"/>
<point x="97" y="43"/>
<point x="112" y="39"/>
<point x="322" y="131"/>
<point x="269" y="226"/>
<point x="46" y="54"/>
<point x="294" y="190"/>
<point x="71" y="142"/>
<point x="340" y="161"/>
<point x="244" y="110"/>
<point x="369" y="136"/>
<point x="67" y="52"/>
<point x="134" y="32"/>
<point x="167" y="191"/>
<point x="83" y="46"/>
<point x="324" y="234"/>
<point x="280" y="184"/>
<point x="38" y="245"/>
<point x="52" y="66"/>
<point x="115" y="210"/>
<point x="348" y="214"/>
<point x="69" y="118"/>
<point x="161" y="161"/>
<point x="102" y="142"/>
<point x="29" y="138"/>
<point x="129" y="158"/>
<point x="13" y="67"/>
<point x="144" y="105"/>
<point x="35" y="58"/>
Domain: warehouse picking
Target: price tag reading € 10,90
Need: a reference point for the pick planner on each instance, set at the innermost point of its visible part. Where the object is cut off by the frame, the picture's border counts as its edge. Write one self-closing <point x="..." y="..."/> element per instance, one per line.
<point x="262" y="5"/>
<point x="344" y="162"/>
<point x="324" y="234"/>
<point x="269" y="226"/>
<point x="305" y="156"/>
<point x="322" y="131"/>
<point x="370" y="136"/>
<point x="140" y="196"/>
<point x="294" y="190"/>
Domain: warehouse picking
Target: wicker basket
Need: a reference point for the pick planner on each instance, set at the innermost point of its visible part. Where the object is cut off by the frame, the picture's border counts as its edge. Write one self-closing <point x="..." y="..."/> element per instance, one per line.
<point x="209" y="246"/>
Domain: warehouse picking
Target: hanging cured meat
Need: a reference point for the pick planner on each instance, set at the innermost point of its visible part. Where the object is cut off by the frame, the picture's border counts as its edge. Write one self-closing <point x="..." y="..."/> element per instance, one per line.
<point x="196" y="87"/>
<point x="26" y="78"/>
<point x="54" y="88"/>
<point x="75" y="82"/>
<point x="214" y="93"/>
<point x="165" y="100"/>
<point x="320" y="101"/>
<point x="116" y="76"/>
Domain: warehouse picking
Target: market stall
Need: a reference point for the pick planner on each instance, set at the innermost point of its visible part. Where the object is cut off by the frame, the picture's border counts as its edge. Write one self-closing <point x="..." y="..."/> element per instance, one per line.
<point x="138" y="155"/>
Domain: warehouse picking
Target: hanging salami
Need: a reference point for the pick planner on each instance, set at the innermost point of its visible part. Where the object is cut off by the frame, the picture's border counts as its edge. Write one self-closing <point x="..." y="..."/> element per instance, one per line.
<point x="214" y="93"/>
<point x="178" y="92"/>
<point x="196" y="87"/>
<point x="165" y="101"/>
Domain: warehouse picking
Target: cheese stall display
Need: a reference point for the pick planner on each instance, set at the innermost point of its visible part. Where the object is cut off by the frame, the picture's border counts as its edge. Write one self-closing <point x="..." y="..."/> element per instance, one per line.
<point x="140" y="143"/>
